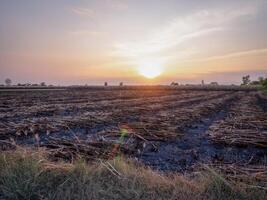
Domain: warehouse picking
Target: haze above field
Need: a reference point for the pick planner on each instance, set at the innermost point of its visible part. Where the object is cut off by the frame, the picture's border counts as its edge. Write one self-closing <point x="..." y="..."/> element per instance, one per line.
<point x="137" y="42"/>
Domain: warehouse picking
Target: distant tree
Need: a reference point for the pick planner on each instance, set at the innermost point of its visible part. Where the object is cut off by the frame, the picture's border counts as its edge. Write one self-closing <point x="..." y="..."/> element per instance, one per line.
<point x="8" y="81"/>
<point x="261" y="79"/>
<point x="106" y="84"/>
<point x="245" y="80"/>
<point x="43" y="84"/>
<point x="214" y="83"/>
<point x="121" y="84"/>
<point x="174" y="84"/>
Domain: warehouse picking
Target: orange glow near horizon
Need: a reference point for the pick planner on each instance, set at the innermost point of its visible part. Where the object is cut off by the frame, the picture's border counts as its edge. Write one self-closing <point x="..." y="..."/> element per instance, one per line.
<point x="91" y="42"/>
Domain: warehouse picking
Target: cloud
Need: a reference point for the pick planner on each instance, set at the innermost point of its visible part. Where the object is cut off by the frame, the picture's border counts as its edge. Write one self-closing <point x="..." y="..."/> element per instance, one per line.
<point x="234" y="55"/>
<point x="83" y="11"/>
<point x="180" y="30"/>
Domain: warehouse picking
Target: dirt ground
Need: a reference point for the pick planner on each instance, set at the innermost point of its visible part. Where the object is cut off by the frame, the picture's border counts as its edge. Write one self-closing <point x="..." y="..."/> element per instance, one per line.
<point x="166" y="129"/>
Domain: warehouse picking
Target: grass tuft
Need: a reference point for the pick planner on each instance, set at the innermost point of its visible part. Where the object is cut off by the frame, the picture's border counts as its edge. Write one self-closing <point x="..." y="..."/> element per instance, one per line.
<point x="25" y="174"/>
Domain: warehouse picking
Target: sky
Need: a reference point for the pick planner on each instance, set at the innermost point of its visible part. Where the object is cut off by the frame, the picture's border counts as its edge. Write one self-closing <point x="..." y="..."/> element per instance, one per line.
<point x="68" y="42"/>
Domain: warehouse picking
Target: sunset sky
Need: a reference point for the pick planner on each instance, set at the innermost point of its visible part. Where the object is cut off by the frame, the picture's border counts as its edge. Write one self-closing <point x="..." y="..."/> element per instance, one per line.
<point x="91" y="41"/>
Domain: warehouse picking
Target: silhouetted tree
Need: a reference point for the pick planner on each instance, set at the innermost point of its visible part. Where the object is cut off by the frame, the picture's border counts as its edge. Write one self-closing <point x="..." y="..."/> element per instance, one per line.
<point x="245" y="80"/>
<point x="174" y="84"/>
<point x="8" y="81"/>
<point x="43" y="84"/>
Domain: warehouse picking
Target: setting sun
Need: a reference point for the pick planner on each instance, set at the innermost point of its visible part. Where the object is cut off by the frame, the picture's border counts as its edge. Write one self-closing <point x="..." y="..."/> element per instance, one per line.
<point x="149" y="72"/>
<point x="149" y="69"/>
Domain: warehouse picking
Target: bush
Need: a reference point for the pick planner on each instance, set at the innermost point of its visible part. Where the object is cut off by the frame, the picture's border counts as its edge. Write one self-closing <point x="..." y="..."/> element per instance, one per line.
<point x="264" y="84"/>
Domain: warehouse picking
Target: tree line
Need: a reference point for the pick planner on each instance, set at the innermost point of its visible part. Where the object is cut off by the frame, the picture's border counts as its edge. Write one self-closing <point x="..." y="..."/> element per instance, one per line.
<point x="261" y="81"/>
<point x="8" y="82"/>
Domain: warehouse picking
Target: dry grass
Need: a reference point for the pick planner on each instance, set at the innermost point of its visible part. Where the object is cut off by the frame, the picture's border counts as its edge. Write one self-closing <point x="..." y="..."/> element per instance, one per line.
<point x="245" y="125"/>
<point x="27" y="174"/>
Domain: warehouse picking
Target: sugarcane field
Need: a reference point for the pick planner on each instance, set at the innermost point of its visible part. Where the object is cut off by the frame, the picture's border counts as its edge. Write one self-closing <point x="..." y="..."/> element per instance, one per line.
<point x="166" y="129"/>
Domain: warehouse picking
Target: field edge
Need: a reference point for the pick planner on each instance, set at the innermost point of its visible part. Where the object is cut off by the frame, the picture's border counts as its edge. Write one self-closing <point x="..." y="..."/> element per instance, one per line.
<point x="28" y="174"/>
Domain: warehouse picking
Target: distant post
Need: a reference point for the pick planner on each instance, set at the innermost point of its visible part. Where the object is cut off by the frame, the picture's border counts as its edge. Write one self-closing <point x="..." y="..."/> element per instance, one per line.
<point x="106" y="84"/>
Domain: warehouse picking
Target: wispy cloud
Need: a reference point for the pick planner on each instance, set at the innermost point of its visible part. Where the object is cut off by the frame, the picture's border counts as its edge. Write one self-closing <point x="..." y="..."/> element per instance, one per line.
<point x="182" y="29"/>
<point x="234" y="55"/>
<point x="83" y="11"/>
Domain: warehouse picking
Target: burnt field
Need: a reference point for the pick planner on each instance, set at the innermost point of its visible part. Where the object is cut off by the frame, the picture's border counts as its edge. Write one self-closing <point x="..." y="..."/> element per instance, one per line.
<point x="166" y="129"/>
